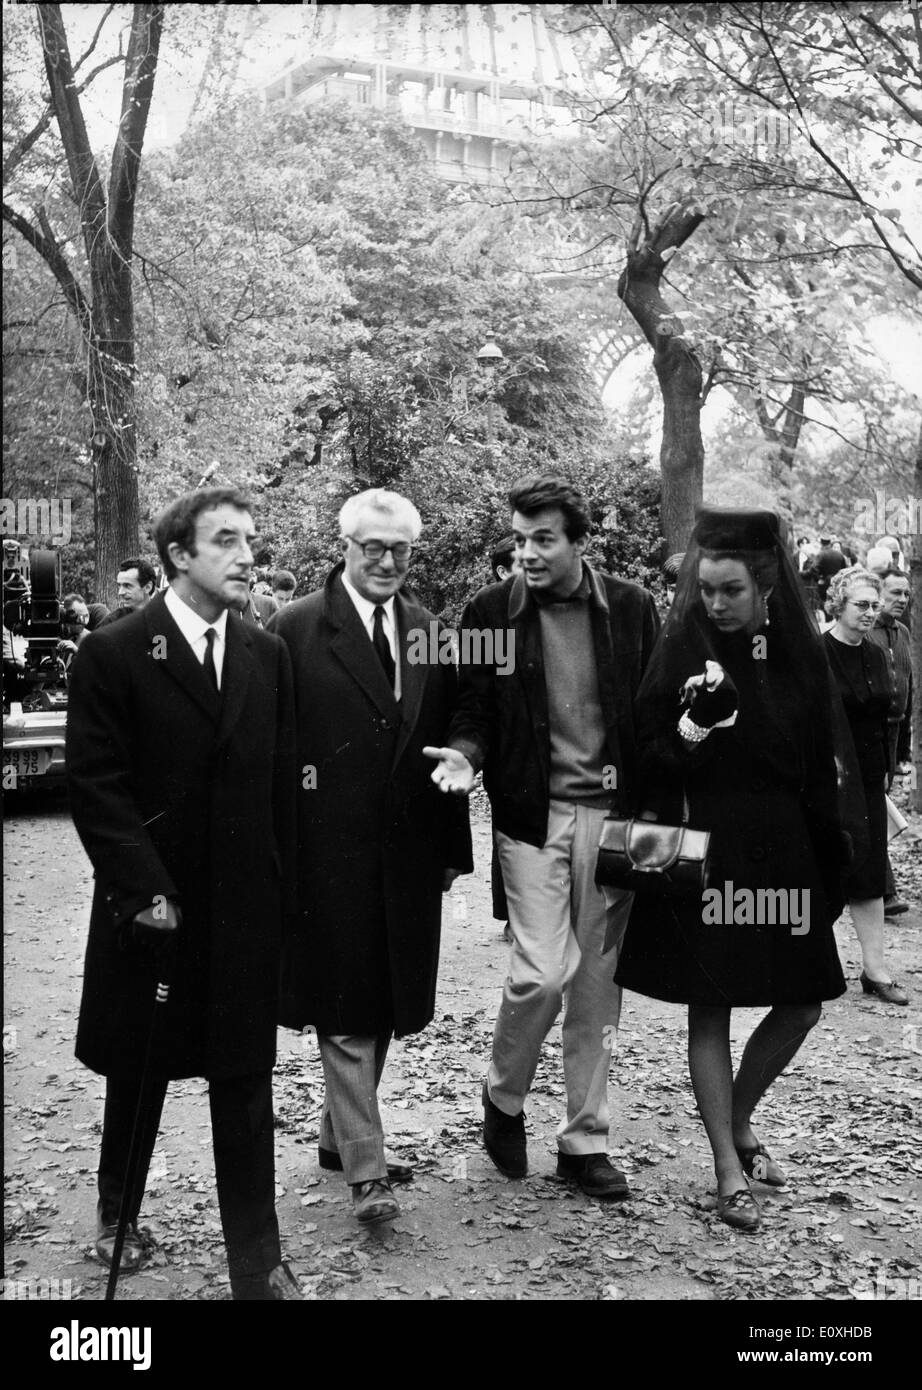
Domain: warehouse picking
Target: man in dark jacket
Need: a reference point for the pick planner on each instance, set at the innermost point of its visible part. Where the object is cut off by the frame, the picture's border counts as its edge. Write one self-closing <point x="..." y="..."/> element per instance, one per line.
<point x="179" y="739"/>
<point x="377" y="845"/>
<point x="555" y="740"/>
<point x="136" y="583"/>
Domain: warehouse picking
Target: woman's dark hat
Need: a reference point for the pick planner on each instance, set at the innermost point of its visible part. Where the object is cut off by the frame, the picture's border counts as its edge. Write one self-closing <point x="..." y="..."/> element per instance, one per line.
<point x="736" y="528"/>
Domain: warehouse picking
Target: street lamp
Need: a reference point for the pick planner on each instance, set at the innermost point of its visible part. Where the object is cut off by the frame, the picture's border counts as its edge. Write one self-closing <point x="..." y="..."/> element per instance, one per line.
<point x="489" y="358"/>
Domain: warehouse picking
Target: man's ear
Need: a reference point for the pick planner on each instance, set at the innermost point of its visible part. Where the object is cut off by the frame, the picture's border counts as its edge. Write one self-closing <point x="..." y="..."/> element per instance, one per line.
<point x="581" y="543"/>
<point x="179" y="555"/>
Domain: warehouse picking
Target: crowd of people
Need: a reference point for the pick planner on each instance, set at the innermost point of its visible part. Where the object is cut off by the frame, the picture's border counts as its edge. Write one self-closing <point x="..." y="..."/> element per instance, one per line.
<point x="274" y="808"/>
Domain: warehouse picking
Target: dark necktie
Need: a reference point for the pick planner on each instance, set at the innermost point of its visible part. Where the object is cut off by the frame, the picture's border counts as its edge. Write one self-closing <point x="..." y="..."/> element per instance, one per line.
<point x="380" y="644"/>
<point x="211" y="670"/>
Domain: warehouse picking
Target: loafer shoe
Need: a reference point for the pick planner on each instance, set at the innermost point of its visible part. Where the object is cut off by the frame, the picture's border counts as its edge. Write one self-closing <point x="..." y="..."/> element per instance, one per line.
<point x="374" y="1201"/>
<point x="740" y="1210"/>
<point x="888" y="990"/>
<point x="396" y="1171"/>
<point x="893" y="907"/>
<point x="595" y="1174"/>
<point x="278" y="1286"/>
<point x="504" y="1138"/>
<point x="135" y="1249"/>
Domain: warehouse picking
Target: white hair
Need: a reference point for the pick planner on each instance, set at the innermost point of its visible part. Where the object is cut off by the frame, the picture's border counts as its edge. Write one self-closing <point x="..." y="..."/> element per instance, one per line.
<point x="379" y="499"/>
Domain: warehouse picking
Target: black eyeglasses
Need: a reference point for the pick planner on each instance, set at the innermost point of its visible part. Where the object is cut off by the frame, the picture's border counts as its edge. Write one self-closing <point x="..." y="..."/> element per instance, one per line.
<point x="376" y="550"/>
<point x="864" y="605"/>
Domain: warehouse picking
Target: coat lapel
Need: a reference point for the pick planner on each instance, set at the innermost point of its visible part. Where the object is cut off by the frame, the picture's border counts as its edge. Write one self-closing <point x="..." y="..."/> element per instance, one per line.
<point x="412" y="676"/>
<point x="351" y="646"/>
<point x="529" y="663"/>
<point x="238" y="671"/>
<point x="173" y="655"/>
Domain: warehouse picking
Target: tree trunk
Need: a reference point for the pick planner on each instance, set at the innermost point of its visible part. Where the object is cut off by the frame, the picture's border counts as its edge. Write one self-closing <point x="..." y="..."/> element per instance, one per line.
<point x="677" y="368"/>
<point x="106" y="314"/>
<point x="678" y="372"/>
<point x="783" y="435"/>
<point x="112" y="399"/>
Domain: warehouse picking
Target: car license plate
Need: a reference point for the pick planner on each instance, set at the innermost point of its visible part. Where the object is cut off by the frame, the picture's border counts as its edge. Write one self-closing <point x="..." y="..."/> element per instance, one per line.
<point x="26" y="762"/>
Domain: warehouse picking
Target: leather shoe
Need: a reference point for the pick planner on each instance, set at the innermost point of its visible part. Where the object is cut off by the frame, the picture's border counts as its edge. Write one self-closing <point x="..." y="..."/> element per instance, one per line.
<point x="278" y="1286"/>
<point x="758" y="1164"/>
<point x="396" y="1172"/>
<point x="888" y="990"/>
<point x="893" y="907"/>
<point x="504" y="1138"/>
<point x="740" y="1210"/>
<point x="374" y="1201"/>
<point x="595" y="1174"/>
<point x="136" y="1246"/>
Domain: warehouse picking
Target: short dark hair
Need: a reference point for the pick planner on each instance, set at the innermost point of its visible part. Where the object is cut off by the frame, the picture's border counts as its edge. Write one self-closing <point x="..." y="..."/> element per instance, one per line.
<point x="502" y="554"/>
<point x="284" y="579"/>
<point x="176" y="523"/>
<point x="146" y="572"/>
<point x="69" y="599"/>
<point x="892" y="573"/>
<point x="534" y="493"/>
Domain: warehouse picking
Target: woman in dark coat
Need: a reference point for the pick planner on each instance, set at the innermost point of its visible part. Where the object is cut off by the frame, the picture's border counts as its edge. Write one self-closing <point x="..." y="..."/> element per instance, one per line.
<point x="865" y="685"/>
<point x="736" y="714"/>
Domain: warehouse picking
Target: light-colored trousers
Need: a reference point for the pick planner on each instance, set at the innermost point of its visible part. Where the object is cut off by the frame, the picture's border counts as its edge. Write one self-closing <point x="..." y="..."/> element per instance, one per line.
<point x="350" y="1123"/>
<point x="564" y="952"/>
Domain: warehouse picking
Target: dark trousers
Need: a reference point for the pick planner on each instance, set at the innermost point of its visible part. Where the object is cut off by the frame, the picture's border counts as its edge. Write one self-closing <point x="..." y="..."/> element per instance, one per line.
<point x="244" y="1160"/>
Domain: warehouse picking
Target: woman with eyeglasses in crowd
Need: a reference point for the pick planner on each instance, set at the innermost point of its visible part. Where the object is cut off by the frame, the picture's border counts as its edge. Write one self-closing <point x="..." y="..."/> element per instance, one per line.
<point x="863" y="676"/>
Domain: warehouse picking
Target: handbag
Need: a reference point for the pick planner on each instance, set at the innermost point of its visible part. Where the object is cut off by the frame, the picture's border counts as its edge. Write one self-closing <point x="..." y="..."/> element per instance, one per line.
<point x="641" y="854"/>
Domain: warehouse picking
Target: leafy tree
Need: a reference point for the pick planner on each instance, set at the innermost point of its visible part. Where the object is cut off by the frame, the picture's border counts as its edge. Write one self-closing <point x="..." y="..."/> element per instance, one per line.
<point x="314" y="298"/>
<point x="102" y="302"/>
<point x="702" y="227"/>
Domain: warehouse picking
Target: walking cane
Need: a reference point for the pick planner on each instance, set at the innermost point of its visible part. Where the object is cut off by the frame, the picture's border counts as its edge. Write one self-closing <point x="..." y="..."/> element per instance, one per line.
<point x="165" y="967"/>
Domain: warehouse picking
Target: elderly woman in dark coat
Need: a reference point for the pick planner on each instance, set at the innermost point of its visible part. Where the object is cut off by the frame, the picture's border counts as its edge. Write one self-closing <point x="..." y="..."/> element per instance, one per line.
<point x="865" y="685"/>
<point x="735" y="716"/>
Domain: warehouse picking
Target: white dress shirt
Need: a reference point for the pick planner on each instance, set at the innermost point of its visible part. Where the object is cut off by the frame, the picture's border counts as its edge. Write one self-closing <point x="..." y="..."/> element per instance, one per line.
<point x="193" y="627"/>
<point x="366" y="611"/>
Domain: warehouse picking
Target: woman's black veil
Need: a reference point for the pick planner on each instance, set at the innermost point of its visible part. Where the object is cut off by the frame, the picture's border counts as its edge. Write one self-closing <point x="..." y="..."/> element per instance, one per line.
<point x="688" y="639"/>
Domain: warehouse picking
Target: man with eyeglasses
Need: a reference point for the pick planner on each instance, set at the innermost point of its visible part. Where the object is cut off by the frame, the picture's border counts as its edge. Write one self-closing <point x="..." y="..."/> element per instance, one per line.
<point x="377" y="844"/>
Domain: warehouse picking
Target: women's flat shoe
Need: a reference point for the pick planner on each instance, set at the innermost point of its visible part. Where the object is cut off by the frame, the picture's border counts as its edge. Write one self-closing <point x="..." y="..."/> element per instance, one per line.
<point x="888" y="990"/>
<point x="759" y="1165"/>
<point x="739" y="1210"/>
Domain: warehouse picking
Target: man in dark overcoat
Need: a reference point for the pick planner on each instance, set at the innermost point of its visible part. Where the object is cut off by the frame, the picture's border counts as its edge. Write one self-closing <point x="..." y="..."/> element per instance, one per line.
<point x="377" y="845"/>
<point x="179" y="760"/>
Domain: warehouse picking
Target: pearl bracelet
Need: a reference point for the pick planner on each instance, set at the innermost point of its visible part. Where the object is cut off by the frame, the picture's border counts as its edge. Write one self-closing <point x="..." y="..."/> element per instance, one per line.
<point x="691" y="731"/>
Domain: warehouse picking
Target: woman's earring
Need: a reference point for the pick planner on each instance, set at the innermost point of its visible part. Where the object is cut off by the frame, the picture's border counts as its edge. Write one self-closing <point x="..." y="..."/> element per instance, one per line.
<point x="768" y="616"/>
